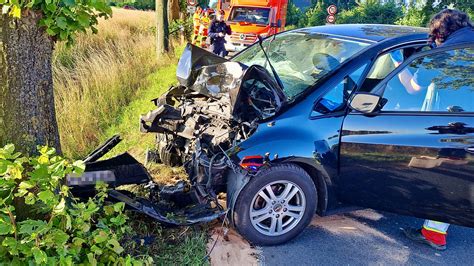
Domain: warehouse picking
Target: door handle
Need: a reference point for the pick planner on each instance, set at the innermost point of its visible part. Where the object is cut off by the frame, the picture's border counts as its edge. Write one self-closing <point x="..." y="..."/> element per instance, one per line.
<point x="470" y="149"/>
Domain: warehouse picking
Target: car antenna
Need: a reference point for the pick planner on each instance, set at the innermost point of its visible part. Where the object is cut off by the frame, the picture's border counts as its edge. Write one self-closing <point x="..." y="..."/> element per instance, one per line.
<point x="277" y="78"/>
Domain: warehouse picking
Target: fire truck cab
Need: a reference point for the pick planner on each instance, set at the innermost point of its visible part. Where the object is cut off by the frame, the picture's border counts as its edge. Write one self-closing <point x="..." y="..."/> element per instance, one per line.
<point x="250" y="18"/>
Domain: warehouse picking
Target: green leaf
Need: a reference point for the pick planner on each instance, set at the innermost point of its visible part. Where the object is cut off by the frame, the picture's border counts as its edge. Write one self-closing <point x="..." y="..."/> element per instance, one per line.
<point x="32" y="226"/>
<point x="83" y="19"/>
<point x="11" y="244"/>
<point x="119" y="207"/>
<point x="40" y="256"/>
<point x="61" y="22"/>
<point x="60" y="207"/>
<point x="6" y="226"/>
<point x="4" y="167"/>
<point x="79" y="167"/>
<point x="26" y="185"/>
<point x="51" y="7"/>
<point x="119" y="220"/>
<point x="9" y="148"/>
<point x="39" y="174"/>
<point x="30" y="198"/>
<point x="101" y="237"/>
<point x="58" y="237"/>
<point x="115" y="246"/>
<point x="69" y="2"/>
<point x="97" y="250"/>
<point x="51" y="32"/>
<point x="46" y="196"/>
<point x="91" y="259"/>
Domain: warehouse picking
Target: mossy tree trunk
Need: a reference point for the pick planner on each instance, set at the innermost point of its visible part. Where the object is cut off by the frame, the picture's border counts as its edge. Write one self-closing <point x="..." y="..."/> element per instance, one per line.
<point x="162" y="28"/>
<point x="27" y="111"/>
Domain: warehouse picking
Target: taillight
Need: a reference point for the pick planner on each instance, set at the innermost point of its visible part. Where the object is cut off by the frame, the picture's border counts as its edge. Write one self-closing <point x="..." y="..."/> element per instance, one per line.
<point x="252" y="163"/>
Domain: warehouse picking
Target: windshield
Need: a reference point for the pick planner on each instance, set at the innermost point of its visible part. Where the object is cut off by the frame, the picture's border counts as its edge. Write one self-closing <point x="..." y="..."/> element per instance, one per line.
<point x="253" y="15"/>
<point x="301" y="58"/>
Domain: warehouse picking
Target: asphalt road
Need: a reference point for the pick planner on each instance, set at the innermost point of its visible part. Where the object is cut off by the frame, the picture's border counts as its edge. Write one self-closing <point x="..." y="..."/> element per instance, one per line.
<point x="367" y="237"/>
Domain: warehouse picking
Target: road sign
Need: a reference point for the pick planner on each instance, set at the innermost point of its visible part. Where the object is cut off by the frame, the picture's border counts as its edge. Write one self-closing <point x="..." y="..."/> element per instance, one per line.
<point x="191" y="9"/>
<point x="192" y="2"/>
<point x="332" y="10"/>
<point x="331" y="19"/>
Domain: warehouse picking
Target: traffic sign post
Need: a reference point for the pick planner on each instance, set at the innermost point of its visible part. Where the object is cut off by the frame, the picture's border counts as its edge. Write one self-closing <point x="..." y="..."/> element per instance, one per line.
<point x="331" y="18"/>
<point x="192" y="2"/>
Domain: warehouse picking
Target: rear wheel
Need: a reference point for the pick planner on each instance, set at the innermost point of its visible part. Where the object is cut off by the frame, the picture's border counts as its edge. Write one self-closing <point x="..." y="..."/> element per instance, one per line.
<point x="276" y="205"/>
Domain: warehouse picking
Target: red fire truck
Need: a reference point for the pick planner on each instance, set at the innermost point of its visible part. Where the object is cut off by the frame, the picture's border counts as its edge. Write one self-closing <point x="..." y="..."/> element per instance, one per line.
<point x="250" y="18"/>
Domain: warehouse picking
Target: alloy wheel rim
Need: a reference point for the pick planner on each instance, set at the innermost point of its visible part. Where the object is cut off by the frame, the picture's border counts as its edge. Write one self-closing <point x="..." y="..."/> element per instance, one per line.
<point x="277" y="208"/>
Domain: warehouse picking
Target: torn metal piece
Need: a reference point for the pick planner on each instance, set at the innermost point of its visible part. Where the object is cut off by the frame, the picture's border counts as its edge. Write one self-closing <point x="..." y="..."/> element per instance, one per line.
<point x="190" y="217"/>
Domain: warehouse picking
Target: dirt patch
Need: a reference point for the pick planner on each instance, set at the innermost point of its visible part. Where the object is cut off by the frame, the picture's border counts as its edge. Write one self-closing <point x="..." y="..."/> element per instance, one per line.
<point x="232" y="249"/>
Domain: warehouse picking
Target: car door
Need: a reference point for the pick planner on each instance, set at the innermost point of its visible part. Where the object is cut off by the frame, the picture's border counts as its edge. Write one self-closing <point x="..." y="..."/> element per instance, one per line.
<point x="415" y="156"/>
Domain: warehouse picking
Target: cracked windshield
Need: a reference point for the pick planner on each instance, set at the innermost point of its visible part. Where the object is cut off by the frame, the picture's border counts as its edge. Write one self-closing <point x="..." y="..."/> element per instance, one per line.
<point x="301" y="58"/>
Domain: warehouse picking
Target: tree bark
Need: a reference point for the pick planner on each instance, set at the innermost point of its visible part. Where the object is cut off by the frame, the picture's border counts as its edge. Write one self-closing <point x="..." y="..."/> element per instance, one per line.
<point x="173" y="10"/>
<point x="27" y="111"/>
<point x="162" y="28"/>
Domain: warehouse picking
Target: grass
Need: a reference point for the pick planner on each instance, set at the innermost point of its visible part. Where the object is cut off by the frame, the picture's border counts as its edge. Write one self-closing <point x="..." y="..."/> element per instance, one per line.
<point x="102" y="84"/>
<point x="101" y="74"/>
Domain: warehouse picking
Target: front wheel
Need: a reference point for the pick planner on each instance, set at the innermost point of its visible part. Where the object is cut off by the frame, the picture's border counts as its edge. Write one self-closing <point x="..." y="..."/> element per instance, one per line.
<point x="276" y="205"/>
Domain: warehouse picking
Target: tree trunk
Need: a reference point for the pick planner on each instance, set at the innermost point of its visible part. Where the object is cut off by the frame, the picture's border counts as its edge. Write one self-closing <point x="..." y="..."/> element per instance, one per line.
<point x="27" y="111"/>
<point x="162" y="30"/>
<point x="173" y="10"/>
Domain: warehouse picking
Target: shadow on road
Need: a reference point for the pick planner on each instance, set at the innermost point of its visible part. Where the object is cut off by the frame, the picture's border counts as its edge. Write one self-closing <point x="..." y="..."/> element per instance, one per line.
<point x="368" y="237"/>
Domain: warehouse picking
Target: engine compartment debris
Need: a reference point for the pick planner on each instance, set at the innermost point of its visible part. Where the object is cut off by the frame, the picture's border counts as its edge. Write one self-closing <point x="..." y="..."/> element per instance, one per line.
<point x="198" y="125"/>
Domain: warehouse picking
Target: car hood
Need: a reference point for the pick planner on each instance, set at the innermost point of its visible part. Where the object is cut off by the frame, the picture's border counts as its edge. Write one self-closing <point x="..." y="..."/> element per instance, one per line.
<point x="219" y="78"/>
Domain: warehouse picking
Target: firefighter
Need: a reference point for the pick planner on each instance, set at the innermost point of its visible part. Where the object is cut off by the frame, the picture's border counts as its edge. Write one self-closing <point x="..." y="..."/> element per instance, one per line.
<point x="446" y="28"/>
<point x="196" y="25"/>
<point x="204" y="27"/>
<point x="217" y="33"/>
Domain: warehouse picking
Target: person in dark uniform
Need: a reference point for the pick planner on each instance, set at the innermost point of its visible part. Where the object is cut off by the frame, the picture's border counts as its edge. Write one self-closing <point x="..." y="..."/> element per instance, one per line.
<point x="217" y="32"/>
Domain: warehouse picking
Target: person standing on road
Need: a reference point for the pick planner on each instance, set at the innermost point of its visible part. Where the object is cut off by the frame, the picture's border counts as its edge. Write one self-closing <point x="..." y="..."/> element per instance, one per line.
<point x="446" y="28"/>
<point x="204" y="30"/>
<point x="196" y="25"/>
<point x="217" y="32"/>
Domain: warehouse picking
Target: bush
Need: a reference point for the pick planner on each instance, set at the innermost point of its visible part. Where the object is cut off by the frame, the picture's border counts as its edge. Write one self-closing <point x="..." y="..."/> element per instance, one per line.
<point x="372" y="12"/>
<point x="413" y="16"/>
<point x="41" y="223"/>
<point x="314" y="16"/>
<point x="293" y="14"/>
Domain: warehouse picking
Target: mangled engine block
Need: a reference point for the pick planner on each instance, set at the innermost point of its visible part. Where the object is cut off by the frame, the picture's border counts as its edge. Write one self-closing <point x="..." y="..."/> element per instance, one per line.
<point x="201" y="121"/>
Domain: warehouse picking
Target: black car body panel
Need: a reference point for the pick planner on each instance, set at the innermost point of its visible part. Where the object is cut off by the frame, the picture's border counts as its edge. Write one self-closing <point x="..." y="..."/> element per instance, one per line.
<point x="418" y="164"/>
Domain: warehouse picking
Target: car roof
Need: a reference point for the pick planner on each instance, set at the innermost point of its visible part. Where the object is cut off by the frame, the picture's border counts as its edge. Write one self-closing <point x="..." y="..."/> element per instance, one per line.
<point x="367" y="32"/>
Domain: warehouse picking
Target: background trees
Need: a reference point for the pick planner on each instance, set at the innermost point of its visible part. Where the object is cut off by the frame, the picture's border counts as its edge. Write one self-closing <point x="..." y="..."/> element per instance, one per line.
<point x="373" y="11"/>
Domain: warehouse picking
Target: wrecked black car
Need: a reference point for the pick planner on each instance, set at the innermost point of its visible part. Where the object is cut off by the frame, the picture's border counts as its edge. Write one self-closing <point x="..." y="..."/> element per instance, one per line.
<point x="307" y="121"/>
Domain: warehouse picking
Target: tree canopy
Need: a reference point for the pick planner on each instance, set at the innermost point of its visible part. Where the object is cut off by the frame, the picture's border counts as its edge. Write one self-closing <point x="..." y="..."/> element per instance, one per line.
<point x="61" y="18"/>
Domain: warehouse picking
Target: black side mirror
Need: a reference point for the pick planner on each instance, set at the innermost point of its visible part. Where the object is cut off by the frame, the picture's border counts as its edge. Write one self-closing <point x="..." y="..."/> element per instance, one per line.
<point x="366" y="102"/>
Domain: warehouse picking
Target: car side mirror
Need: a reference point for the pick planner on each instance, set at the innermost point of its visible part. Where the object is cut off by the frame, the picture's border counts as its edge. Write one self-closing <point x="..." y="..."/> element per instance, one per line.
<point x="366" y="102"/>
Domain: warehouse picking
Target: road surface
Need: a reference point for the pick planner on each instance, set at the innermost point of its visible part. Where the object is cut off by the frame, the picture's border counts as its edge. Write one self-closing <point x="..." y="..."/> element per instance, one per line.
<point x="367" y="237"/>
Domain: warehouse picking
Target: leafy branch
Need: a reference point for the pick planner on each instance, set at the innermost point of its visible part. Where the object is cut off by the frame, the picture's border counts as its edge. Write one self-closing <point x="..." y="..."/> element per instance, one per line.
<point x="62" y="19"/>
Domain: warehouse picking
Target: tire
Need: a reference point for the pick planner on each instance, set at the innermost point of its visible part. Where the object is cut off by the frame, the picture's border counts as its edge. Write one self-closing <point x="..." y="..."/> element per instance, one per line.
<point x="294" y="215"/>
<point x="167" y="152"/>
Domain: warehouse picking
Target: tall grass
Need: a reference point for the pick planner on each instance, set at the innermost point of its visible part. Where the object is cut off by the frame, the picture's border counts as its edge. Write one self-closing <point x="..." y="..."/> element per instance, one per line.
<point x="100" y="74"/>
